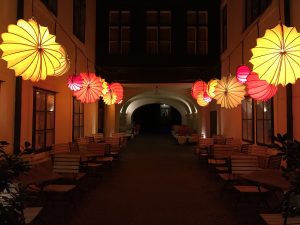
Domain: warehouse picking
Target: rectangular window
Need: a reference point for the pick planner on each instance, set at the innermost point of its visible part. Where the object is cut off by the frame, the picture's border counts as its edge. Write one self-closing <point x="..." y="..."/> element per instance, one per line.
<point x="100" y="116"/>
<point x="197" y="33"/>
<point x="247" y="120"/>
<point x="51" y="5"/>
<point x="158" y="32"/>
<point x="264" y="122"/>
<point x="119" y="32"/>
<point x="79" y="12"/>
<point x="224" y="28"/>
<point x="78" y="119"/>
<point x="253" y="9"/>
<point x="43" y="120"/>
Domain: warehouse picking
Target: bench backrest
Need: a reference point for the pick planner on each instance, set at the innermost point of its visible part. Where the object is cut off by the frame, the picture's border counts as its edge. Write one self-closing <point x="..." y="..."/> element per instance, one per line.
<point x="66" y="163"/>
<point x="205" y="142"/>
<point x="221" y="151"/>
<point x="241" y="164"/>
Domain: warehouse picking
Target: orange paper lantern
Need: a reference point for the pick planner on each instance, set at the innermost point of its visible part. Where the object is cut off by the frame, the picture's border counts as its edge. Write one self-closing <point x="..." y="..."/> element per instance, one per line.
<point x="91" y="88"/>
<point x="117" y="89"/>
<point x="198" y="87"/>
<point x="259" y="89"/>
<point x="200" y="100"/>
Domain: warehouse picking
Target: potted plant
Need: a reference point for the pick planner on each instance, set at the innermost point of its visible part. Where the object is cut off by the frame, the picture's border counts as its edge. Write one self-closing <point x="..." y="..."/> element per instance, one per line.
<point x="290" y="152"/>
<point x="12" y="195"/>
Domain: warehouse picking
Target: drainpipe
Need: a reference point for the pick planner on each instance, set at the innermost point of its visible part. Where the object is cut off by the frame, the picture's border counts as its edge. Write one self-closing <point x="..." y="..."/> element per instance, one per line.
<point x="18" y="93"/>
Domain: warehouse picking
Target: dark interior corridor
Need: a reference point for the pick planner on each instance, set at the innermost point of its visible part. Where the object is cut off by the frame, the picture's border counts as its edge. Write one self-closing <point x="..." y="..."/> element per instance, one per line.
<point x="156" y="118"/>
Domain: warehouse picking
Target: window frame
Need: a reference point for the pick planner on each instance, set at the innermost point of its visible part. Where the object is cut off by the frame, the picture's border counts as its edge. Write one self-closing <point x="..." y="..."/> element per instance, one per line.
<point x="79" y="19"/>
<point x="263" y="122"/>
<point x="247" y="119"/>
<point x="261" y="8"/>
<point x="51" y="7"/>
<point x="121" y="43"/>
<point x="159" y="26"/>
<point x="34" y="130"/>
<point x="80" y="113"/>
<point x="197" y="26"/>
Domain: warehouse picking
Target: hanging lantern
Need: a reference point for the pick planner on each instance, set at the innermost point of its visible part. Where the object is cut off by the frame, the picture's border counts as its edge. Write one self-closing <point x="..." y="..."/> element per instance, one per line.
<point x="259" y="89"/>
<point x="104" y="86"/>
<point x="75" y="82"/>
<point x="229" y="92"/>
<point x="32" y="52"/>
<point x="110" y="98"/>
<point x="211" y="86"/>
<point x="91" y="88"/>
<point x="198" y="86"/>
<point x="206" y="97"/>
<point x="276" y="56"/>
<point x="64" y="64"/>
<point x="117" y="89"/>
<point x="200" y="100"/>
<point x="242" y="73"/>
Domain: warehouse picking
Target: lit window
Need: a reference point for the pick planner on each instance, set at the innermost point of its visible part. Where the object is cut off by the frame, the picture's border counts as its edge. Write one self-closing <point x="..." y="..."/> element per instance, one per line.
<point x="264" y="122"/>
<point x="247" y="120"/>
<point x="78" y="119"/>
<point x="43" y="120"/>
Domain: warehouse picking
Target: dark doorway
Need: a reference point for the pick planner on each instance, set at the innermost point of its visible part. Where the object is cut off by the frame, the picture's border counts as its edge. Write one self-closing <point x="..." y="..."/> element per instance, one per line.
<point x="213" y="123"/>
<point x="156" y="118"/>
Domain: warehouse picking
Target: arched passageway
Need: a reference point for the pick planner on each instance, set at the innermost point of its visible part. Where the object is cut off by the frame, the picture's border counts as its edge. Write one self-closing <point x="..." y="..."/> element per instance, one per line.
<point x="156" y="118"/>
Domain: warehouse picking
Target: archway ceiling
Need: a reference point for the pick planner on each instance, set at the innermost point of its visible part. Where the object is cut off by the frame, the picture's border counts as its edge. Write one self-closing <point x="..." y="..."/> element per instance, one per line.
<point x="174" y="94"/>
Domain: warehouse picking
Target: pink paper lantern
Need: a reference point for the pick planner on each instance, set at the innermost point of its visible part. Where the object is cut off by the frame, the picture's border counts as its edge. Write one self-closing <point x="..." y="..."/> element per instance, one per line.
<point x="75" y="82"/>
<point x="91" y="88"/>
<point x="206" y="97"/>
<point x="198" y="87"/>
<point x="259" y="89"/>
<point x="117" y="89"/>
<point x="242" y="73"/>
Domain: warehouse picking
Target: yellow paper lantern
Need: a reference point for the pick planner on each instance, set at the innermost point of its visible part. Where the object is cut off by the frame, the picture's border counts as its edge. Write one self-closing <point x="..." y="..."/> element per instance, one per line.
<point x="276" y="56"/>
<point x="64" y="64"/>
<point x="110" y="98"/>
<point x="229" y="92"/>
<point x="32" y="52"/>
<point x="211" y="87"/>
<point x="200" y="100"/>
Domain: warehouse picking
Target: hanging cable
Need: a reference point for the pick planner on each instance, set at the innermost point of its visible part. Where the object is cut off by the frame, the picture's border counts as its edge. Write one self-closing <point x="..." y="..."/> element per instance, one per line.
<point x="242" y="52"/>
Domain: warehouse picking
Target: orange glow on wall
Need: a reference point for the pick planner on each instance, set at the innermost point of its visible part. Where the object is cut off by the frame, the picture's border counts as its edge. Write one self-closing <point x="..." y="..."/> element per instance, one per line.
<point x="259" y="89"/>
<point x="32" y="52"/>
<point x="229" y="92"/>
<point x="91" y="88"/>
<point x="276" y="56"/>
<point x="242" y="73"/>
<point x="198" y="87"/>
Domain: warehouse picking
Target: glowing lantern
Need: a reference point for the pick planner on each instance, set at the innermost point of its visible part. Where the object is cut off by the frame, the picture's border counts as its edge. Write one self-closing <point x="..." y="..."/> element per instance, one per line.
<point x="200" y="100"/>
<point x="259" y="89"/>
<point x="276" y="56"/>
<point x="211" y="86"/>
<point x="64" y="64"/>
<point x="206" y="97"/>
<point x="198" y="86"/>
<point x="91" y="88"/>
<point x="105" y="86"/>
<point x="110" y="98"/>
<point x="75" y="82"/>
<point x="32" y="52"/>
<point x="242" y="73"/>
<point x="229" y="92"/>
<point x="117" y="89"/>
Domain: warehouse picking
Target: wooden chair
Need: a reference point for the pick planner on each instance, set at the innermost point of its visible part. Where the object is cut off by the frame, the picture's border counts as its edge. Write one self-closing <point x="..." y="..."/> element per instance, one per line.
<point x="203" y="148"/>
<point x="60" y="148"/>
<point x="229" y="141"/>
<point x="245" y="148"/>
<point x="114" y="146"/>
<point x="68" y="165"/>
<point x="98" y="137"/>
<point x="219" y="157"/>
<point x="274" y="162"/>
<point x="100" y="149"/>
